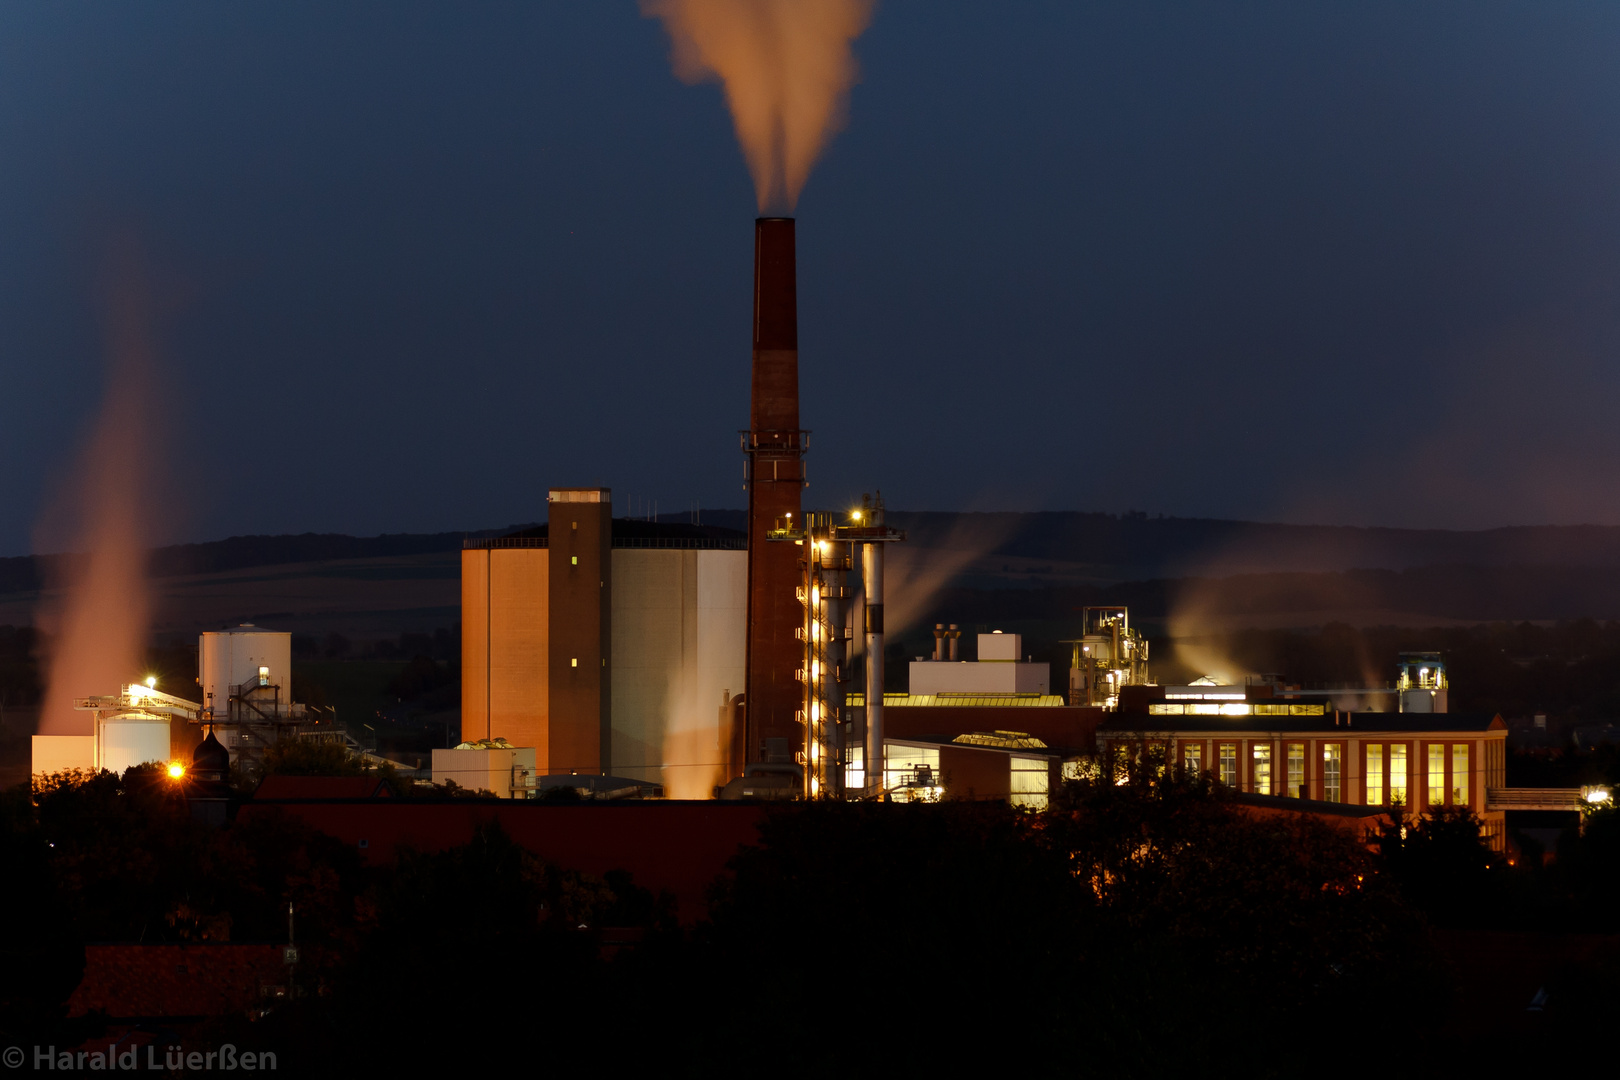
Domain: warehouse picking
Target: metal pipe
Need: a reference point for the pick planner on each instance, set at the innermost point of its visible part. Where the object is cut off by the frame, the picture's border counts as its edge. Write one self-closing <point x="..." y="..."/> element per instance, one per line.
<point x="872" y="582"/>
<point x="939" y="641"/>
<point x="954" y="636"/>
<point x="834" y="586"/>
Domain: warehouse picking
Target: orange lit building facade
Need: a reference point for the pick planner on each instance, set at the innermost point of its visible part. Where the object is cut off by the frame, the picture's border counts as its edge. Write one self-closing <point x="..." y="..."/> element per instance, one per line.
<point x="1363" y="759"/>
<point x="536" y="627"/>
<point x="608" y="646"/>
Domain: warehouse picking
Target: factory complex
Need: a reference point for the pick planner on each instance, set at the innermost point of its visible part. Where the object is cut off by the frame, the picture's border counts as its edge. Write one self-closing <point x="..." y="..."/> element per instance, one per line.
<point x="625" y="659"/>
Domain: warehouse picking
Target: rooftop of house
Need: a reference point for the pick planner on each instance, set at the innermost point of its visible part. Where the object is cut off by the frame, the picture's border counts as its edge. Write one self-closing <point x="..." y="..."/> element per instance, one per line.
<point x="321" y="787"/>
<point x="175" y="980"/>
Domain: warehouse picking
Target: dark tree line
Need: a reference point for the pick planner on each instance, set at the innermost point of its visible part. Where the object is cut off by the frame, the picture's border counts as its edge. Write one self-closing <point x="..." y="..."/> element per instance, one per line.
<point x="1131" y="929"/>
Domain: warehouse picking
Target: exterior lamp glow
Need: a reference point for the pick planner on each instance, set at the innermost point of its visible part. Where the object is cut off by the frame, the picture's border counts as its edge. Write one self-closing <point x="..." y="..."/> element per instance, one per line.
<point x="151" y="681"/>
<point x="855" y="515"/>
<point x="176" y="770"/>
<point x="1596" y="795"/>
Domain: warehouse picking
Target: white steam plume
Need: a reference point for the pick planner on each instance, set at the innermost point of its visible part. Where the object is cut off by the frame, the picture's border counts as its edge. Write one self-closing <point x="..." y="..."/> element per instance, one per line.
<point x="98" y="616"/>
<point x="787" y="67"/>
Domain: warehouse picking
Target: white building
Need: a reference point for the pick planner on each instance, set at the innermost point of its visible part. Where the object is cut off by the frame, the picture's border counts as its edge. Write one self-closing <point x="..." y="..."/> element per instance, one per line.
<point x="679" y="645"/>
<point x="1002" y="668"/>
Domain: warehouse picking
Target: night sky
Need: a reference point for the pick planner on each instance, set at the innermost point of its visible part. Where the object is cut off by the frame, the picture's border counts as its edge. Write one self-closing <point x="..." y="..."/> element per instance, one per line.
<point x="1342" y="263"/>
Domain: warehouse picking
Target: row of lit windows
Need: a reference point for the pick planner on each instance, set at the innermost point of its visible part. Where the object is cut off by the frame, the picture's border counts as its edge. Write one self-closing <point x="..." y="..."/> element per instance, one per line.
<point x="1382" y="787"/>
<point x="1232" y="708"/>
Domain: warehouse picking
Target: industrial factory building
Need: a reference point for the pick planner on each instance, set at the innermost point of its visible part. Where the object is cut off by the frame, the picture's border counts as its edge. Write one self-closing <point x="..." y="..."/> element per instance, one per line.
<point x="608" y="646"/>
<point x="244" y="675"/>
<point x="1418" y="761"/>
<point x="712" y="662"/>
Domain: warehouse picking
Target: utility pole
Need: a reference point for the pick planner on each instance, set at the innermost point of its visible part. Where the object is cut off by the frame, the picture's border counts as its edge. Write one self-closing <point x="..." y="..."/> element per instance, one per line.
<point x="289" y="956"/>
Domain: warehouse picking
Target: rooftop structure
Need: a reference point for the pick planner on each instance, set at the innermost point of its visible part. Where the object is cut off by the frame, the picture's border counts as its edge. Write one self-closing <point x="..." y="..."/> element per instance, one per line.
<point x="1001" y="668"/>
<point x="1108" y="656"/>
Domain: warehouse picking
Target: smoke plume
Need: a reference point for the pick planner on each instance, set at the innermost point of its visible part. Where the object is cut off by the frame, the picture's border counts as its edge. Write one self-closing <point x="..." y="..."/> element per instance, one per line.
<point x="97" y="615"/>
<point x="914" y="577"/>
<point x="787" y="67"/>
<point x="692" y="751"/>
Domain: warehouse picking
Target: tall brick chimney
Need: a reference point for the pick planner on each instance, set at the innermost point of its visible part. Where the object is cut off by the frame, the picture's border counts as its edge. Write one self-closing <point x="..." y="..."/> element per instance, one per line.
<point x="775" y="449"/>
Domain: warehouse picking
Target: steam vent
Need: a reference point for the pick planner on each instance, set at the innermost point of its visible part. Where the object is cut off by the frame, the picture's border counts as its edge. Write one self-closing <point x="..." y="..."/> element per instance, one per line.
<point x="775" y="448"/>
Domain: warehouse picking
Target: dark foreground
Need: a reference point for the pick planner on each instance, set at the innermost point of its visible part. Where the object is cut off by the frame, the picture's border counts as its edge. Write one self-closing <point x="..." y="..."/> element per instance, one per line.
<point x="1133" y="930"/>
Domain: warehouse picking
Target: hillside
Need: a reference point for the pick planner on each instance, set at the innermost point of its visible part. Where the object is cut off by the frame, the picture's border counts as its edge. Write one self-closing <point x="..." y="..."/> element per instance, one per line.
<point x="959" y="567"/>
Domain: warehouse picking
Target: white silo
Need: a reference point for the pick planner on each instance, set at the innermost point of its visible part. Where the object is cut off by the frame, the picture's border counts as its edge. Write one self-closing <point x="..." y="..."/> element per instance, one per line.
<point x="127" y="739"/>
<point x="245" y="656"/>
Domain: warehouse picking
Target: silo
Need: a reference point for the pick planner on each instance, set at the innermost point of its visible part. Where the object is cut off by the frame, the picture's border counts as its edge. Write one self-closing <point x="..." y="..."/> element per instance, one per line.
<point x="126" y="739"/>
<point x="244" y="655"/>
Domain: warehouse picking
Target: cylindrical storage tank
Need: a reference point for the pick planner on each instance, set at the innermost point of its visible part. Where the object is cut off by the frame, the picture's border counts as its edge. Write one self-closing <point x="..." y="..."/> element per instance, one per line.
<point x="227" y="659"/>
<point x="124" y="741"/>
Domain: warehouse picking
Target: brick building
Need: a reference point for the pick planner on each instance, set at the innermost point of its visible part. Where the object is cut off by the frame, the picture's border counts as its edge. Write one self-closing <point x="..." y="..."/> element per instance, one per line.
<point x="1419" y="760"/>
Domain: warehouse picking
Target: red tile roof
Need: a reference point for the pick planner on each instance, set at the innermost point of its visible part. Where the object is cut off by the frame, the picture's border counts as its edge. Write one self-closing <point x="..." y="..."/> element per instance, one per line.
<point x="321" y="787"/>
<point x="205" y="979"/>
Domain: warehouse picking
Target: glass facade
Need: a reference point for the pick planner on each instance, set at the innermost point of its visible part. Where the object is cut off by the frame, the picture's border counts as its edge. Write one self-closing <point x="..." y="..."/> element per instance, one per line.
<point x="1229" y="764"/>
<point x="1296" y="771"/>
<point x="1459" y="775"/>
<point x="1397" y="773"/>
<point x="1437" y="775"/>
<point x="1192" y="758"/>
<point x="911" y="773"/>
<point x="1260" y="773"/>
<point x="1375" y="775"/>
<point x="1331" y="791"/>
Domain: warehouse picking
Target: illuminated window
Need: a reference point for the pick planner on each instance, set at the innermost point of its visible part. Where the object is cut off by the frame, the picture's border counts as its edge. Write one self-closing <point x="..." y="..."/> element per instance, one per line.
<point x="911" y="773"/>
<point x="1397" y="773"/>
<point x="1192" y="758"/>
<point x="1296" y="770"/>
<point x="1437" y="774"/>
<point x="1229" y="764"/>
<point x="1028" y="782"/>
<point x="573" y="662"/>
<point x="1261" y="773"/>
<point x="1375" y="776"/>
<point x="1331" y="792"/>
<point x="576" y="560"/>
<point x="1460" y="790"/>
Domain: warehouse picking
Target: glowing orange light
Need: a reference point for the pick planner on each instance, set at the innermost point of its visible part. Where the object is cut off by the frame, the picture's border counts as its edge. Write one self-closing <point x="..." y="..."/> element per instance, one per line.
<point x="176" y="770"/>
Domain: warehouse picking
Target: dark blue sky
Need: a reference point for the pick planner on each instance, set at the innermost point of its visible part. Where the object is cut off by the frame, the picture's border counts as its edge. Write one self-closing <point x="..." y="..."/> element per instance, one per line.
<point x="1352" y="263"/>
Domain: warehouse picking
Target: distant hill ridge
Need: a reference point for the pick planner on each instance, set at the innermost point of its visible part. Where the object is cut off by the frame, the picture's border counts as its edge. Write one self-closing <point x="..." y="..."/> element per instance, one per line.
<point x="1138" y="546"/>
<point x="1113" y="547"/>
<point x="27" y="572"/>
